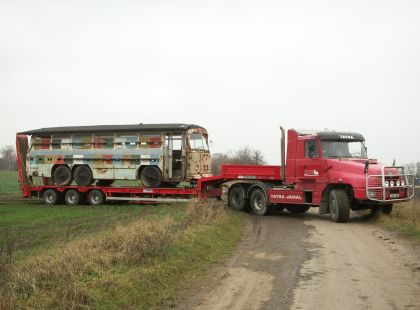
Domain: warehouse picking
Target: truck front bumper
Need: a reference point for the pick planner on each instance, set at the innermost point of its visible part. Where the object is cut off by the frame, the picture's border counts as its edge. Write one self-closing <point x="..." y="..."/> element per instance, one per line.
<point x="388" y="188"/>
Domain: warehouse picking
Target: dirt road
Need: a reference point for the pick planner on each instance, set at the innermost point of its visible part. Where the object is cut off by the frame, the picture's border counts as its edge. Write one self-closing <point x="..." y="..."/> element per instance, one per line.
<point x="308" y="262"/>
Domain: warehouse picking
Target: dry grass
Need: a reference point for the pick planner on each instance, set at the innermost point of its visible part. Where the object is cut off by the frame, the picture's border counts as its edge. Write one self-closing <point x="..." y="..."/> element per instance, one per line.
<point x="405" y="218"/>
<point x="61" y="277"/>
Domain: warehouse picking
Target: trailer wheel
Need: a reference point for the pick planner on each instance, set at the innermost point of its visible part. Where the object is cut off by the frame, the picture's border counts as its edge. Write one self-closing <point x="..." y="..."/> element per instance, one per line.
<point x="387" y="209"/>
<point x="72" y="197"/>
<point x="297" y="208"/>
<point x="259" y="204"/>
<point x="62" y="175"/>
<point x="96" y="197"/>
<point x="151" y="176"/>
<point x="236" y="198"/>
<point x="51" y="197"/>
<point x="339" y="204"/>
<point x="83" y="176"/>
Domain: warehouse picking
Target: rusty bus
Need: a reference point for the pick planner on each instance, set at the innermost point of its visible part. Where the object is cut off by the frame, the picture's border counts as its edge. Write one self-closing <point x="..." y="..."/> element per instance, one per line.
<point x="155" y="154"/>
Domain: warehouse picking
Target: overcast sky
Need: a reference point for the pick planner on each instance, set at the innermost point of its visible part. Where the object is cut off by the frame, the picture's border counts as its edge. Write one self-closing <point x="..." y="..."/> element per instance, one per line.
<point x="238" y="68"/>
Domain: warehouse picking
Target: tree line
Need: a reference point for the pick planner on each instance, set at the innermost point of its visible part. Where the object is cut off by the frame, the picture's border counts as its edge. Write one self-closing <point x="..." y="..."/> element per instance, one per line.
<point x="414" y="169"/>
<point x="244" y="155"/>
<point x="8" y="160"/>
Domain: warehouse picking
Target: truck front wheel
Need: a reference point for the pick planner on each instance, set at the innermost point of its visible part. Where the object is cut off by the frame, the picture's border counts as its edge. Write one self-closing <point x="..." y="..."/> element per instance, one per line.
<point x="387" y="209"/>
<point x="339" y="204"/>
<point x="259" y="203"/>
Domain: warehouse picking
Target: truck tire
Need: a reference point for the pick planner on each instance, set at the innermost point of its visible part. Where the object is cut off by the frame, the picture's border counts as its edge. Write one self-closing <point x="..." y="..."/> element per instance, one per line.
<point x="387" y="209"/>
<point x="51" y="197"/>
<point x="62" y="175"/>
<point x="236" y="198"/>
<point x="96" y="197"/>
<point x="297" y="208"/>
<point x="339" y="204"/>
<point x="72" y="197"/>
<point x="151" y="176"/>
<point x="83" y="176"/>
<point x="374" y="210"/>
<point x="259" y="203"/>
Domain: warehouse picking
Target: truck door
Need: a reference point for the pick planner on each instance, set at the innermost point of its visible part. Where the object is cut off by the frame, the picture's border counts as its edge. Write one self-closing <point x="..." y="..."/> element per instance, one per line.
<point x="309" y="165"/>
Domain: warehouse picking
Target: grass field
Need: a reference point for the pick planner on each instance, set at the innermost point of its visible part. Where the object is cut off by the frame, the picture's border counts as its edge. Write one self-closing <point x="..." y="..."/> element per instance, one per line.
<point x="111" y="256"/>
<point x="405" y="218"/>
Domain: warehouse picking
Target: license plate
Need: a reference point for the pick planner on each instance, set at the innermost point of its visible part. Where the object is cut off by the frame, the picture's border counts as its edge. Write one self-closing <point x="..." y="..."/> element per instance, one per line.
<point x="394" y="196"/>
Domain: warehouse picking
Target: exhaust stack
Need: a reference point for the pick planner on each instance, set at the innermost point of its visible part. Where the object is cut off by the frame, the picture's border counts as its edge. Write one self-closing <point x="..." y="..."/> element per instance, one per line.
<point x="283" y="154"/>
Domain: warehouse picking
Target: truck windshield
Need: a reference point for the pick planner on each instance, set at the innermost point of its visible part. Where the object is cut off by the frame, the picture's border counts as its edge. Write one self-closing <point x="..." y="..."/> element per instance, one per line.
<point x="198" y="141"/>
<point x="339" y="149"/>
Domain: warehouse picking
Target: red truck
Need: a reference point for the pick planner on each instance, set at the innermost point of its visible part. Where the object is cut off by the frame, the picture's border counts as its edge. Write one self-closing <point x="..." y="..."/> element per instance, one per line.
<point x="325" y="169"/>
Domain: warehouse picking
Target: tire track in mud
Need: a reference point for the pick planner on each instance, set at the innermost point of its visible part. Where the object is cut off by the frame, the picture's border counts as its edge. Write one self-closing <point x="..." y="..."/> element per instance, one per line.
<point x="262" y="272"/>
<point x="305" y="261"/>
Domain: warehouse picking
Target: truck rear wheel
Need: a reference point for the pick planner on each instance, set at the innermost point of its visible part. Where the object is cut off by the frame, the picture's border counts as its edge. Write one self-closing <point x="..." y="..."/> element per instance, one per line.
<point x="83" y="176"/>
<point x="259" y="204"/>
<point x="297" y="208"/>
<point x="236" y="198"/>
<point x="339" y="204"/>
<point x="72" y="197"/>
<point x="151" y="176"/>
<point x="62" y="175"/>
<point x="51" y="197"/>
<point x="96" y="197"/>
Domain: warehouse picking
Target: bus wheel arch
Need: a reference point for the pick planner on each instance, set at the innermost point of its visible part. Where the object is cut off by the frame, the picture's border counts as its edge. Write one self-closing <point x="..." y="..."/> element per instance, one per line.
<point x="83" y="175"/>
<point x="62" y="175"/>
<point x="150" y="176"/>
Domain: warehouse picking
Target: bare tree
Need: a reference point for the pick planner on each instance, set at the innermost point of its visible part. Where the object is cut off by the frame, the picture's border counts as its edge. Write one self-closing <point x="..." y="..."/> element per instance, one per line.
<point x="243" y="156"/>
<point x="8" y="159"/>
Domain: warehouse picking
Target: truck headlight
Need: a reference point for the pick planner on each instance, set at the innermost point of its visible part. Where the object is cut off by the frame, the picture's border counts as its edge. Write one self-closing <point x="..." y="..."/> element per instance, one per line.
<point x="386" y="183"/>
<point x="402" y="183"/>
<point x="371" y="194"/>
<point x="398" y="183"/>
<point x="391" y="183"/>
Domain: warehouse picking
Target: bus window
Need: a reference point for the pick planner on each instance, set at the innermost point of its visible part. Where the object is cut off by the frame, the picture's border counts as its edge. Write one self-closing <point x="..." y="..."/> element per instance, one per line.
<point x="61" y="142"/>
<point x="126" y="142"/>
<point x="150" y="141"/>
<point x="41" y="143"/>
<point x="198" y="141"/>
<point x="82" y="141"/>
<point x="103" y="142"/>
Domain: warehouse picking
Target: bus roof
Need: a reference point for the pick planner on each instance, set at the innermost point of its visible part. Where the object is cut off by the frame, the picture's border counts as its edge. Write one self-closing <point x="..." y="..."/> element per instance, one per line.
<point x="111" y="129"/>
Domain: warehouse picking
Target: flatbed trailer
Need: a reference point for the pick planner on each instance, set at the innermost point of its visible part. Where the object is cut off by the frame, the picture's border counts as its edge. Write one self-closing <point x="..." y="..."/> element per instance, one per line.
<point x="208" y="187"/>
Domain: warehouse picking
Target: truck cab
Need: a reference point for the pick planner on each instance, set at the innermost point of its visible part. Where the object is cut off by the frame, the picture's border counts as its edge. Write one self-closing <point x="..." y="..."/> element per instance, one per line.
<point x="326" y="169"/>
<point x="323" y="160"/>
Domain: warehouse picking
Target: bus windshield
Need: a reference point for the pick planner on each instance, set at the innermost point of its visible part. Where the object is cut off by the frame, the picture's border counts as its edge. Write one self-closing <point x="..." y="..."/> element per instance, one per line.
<point x="198" y="141"/>
<point x="339" y="149"/>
